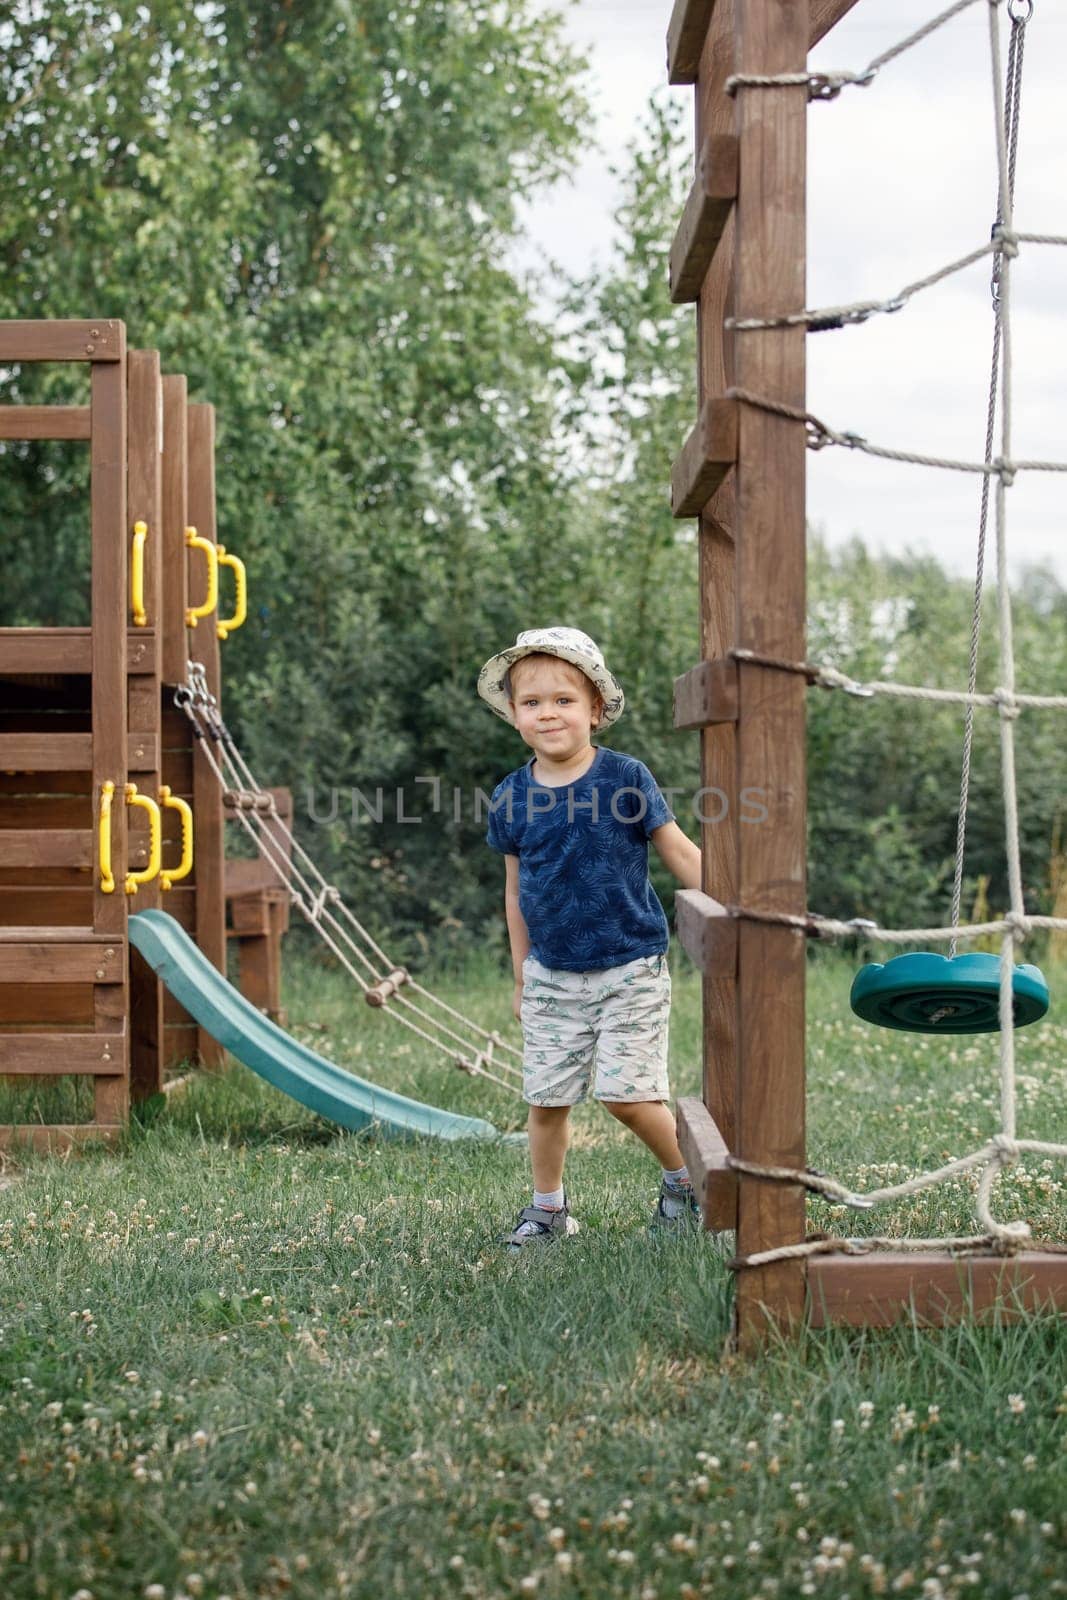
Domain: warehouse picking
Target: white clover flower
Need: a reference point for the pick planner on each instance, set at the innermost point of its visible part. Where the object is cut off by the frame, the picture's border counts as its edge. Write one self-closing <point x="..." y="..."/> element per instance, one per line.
<point x="564" y="1560"/>
<point x="1016" y="1404"/>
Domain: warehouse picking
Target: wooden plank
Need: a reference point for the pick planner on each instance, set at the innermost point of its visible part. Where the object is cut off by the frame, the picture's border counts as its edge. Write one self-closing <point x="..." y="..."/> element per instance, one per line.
<point x="44" y="422"/>
<point x="770" y="600"/>
<point x="934" y="1289"/>
<point x="707" y="933"/>
<point x="144" y="762"/>
<point x="707" y="1158"/>
<point x="48" y="811"/>
<point x="46" y="847"/>
<point x="57" y="1054"/>
<point x="32" y="906"/>
<point x="99" y="339"/>
<point x="686" y="33"/>
<point x="715" y="115"/>
<point x="706" y="695"/>
<point x="54" y="962"/>
<point x="203" y="643"/>
<point x="824" y="15"/>
<point x="59" y="1138"/>
<point x="61" y="1005"/>
<point x="64" y="651"/>
<point x="706" y="457"/>
<point x="704" y="219"/>
<point x="46" y="752"/>
<point x="175" y="520"/>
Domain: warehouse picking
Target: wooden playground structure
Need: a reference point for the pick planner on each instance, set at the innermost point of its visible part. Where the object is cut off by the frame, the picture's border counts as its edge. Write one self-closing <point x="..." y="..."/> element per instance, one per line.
<point x="739" y="251"/>
<point x="107" y="805"/>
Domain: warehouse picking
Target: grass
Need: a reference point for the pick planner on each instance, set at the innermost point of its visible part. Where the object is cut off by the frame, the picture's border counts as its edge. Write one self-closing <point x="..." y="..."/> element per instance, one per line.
<point x="245" y="1356"/>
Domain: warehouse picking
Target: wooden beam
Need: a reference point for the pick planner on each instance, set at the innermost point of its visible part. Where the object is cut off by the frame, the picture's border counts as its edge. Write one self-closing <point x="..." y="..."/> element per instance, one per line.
<point x="824" y="15"/>
<point x="706" y="457"/>
<point x="101" y="339"/>
<point x="707" y="933"/>
<point x="59" y="1137"/>
<point x="704" y="219"/>
<point x="686" y="33"/>
<point x="47" y="847"/>
<point x="771" y="553"/>
<point x="706" y="695"/>
<point x="707" y="1158"/>
<point x="884" y="1288"/>
<point x="44" y="422"/>
<point x="52" y="962"/>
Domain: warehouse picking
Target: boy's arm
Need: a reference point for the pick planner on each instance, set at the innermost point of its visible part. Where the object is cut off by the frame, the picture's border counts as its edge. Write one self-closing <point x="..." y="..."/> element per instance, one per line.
<point x="678" y="853"/>
<point x="517" y="930"/>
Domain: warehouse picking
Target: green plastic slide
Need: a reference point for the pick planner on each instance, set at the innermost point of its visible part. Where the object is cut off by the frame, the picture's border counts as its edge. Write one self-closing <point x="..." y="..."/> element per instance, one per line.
<point x="246" y="1033"/>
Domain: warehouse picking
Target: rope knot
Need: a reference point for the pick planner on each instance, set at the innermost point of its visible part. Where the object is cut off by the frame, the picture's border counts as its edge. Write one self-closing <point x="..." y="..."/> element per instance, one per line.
<point x="1004" y="470"/>
<point x="1020" y="925"/>
<point x="1006" y="703"/>
<point x="1005" y="1152"/>
<point x="1007" y="241"/>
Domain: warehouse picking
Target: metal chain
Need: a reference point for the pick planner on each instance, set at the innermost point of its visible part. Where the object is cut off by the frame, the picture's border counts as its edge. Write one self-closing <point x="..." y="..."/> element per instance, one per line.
<point x="1012" y="101"/>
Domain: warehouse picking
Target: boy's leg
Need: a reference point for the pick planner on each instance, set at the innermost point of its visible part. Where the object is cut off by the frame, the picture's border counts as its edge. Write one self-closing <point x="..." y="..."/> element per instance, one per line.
<point x="550" y="1134"/>
<point x="653" y="1124"/>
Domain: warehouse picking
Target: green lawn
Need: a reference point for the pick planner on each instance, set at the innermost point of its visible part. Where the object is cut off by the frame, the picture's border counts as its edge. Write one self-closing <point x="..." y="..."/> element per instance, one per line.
<point x="246" y="1356"/>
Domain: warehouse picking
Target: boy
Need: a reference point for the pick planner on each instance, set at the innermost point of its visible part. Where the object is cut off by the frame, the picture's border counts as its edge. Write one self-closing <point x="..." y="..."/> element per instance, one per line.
<point x="588" y="934"/>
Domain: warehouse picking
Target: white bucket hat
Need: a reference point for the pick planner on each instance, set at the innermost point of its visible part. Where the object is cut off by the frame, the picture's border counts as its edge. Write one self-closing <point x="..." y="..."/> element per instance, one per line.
<point x="570" y="644"/>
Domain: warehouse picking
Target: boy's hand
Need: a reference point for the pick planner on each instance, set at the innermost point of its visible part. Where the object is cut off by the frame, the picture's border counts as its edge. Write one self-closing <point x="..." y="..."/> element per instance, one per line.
<point x="516" y="1000"/>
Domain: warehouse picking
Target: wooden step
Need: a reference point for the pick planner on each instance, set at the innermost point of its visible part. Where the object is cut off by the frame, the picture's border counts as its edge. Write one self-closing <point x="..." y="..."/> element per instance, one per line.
<point x="67" y="650"/>
<point x="57" y="1054"/>
<point x="60" y="955"/>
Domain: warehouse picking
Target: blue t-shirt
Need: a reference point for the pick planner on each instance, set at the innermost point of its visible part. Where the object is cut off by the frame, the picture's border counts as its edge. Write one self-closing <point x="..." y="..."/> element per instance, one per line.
<point x="583" y="861"/>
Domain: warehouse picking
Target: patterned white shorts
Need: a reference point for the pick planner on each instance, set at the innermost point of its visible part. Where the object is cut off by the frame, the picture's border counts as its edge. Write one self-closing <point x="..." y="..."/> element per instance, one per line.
<point x="615" y="1019"/>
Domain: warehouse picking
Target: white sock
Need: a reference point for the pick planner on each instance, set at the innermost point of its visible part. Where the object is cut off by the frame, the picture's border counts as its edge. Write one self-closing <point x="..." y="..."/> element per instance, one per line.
<point x="552" y="1201"/>
<point x="676" y="1179"/>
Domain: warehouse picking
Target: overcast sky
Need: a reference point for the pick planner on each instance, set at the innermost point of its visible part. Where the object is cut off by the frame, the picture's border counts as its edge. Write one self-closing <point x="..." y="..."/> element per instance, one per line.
<point x="901" y="181"/>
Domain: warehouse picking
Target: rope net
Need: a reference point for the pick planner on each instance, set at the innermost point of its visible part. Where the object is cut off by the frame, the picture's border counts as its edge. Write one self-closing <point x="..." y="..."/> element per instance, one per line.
<point x="998" y="472"/>
<point x="468" y="1046"/>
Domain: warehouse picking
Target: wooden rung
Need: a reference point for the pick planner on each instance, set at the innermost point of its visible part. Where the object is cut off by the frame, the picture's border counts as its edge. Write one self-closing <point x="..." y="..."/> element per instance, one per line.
<point x="46" y="752"/>
<point x="884" y="1288"/>
<point x="707" y="932"/>
<point x="76" y="960"/>
<point x="706" y="457"/>
<point x="704" y="218"/>
<point x="706" y="695"/>
<point x="102" y="339"/>
<point x="686" y="32"/>
<point x="45" y="422"/>
<point x="707" y="1158"/>
<point x="56" y="1054"/>
<point x="46" y="847"/>
<point x="60" y="1137"/>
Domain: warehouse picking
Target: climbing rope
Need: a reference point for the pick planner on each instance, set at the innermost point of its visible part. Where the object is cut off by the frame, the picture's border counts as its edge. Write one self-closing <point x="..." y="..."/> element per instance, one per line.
<point x="998" y="471"/>
<point x="324" y="908"/>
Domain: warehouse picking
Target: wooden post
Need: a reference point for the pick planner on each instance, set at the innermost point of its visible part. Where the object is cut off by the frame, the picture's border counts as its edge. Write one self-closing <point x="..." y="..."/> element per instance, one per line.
<point x="109" y="610"/>
<point x="145" y="504"/>
<point x="715" y="119"/>
<point x="203" y="646"/>
<point x="771" y="37"/>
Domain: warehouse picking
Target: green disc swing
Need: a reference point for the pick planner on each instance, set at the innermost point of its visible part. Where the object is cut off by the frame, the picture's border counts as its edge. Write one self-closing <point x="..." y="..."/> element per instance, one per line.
<point x="922" y="992"/>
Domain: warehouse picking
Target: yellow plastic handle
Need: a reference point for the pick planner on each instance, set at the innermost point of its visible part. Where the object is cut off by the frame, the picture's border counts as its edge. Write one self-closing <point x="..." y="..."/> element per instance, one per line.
<point x="195" y="542"/>
<point x="184" y="810"/>
<point x="140" y="615"/>
<point x="240" y="610"/>
<point x="107" y="877"/>
<point x="134" y="880"/>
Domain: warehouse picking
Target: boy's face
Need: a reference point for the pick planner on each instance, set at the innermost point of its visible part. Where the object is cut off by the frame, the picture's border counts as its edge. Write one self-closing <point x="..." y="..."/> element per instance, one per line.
<point x="555" y="707"/>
